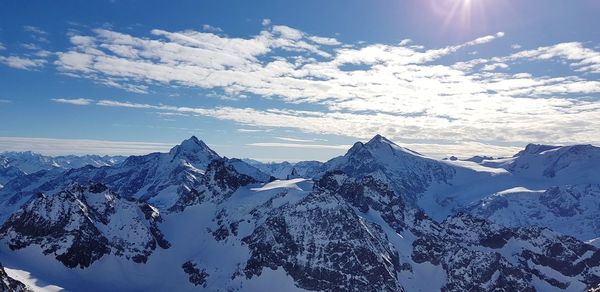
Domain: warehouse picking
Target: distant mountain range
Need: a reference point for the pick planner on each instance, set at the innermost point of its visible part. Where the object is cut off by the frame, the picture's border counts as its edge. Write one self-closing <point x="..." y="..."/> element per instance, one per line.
<point x="14" y="164"/>
<point x="379" y="218"/>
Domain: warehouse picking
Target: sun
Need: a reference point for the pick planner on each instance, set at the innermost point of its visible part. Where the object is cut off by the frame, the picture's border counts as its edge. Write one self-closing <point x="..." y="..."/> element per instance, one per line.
<point x="458" y="13"/>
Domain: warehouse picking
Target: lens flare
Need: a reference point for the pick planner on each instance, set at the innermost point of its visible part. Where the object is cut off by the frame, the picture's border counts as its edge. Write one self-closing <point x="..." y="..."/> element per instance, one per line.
<point x="459" y="13"/>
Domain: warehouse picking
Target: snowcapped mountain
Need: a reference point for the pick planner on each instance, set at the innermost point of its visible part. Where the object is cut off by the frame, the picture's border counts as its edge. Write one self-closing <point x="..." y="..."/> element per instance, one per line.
<point x="574" y="164"/>
<point x="158" y="178"/>
<point x="8" y="171"/>
<point x="30" y="162"/>
<point x="286" y="170"/>
<point x="569" y="209"/>
<point x="381" y="218"/>
<point x="408" y="172"/>
<point x="17" y="164"/>
<point x="83" y="223"/>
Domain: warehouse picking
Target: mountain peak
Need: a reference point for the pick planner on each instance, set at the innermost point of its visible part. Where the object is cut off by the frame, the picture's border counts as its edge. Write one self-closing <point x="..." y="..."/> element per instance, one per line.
<point x="379" y="139"/>
<point x="535" y="149"/>
<point x="192" y="145"/>
<point x="193" y="151"/>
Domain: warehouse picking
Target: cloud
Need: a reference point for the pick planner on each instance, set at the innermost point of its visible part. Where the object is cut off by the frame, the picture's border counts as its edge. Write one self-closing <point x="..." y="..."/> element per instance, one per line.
<point x="210" y="28"/>
<point x="295" y="139"/>
<point x="80" y="146"/>
<point x="34" y="29"/>
<point x="586" y="60"/>
<point x="566" y="122"/>
<point x="298" y="145"/>
<point x="242" y="130"/>
<point x="324" y="41"/>
<point x="74" y="101"/>
<point x="405" y="42"/>
<point x="410" y="93"/>
<point x="2" y="47"/>
<point x="37" y="33"/>
<point x="462" y="150"/>
<point x="5" y="101"/>
<point x="515" y="46"/>
<point x="23" y="63"/>
<point x="266" y="22"/>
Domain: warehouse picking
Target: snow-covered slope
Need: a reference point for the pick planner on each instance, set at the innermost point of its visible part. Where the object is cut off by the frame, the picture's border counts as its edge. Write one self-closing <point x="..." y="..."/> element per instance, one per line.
<point x="572" y="210"/>
<point x="9" y="284"/>
<point x="573" y="164"/>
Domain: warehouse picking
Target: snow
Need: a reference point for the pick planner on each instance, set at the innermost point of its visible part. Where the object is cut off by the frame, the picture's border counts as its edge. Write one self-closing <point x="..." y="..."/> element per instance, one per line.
<point x="595" y="242"/>
<point x="190" y="233"/>
<point x="300" y="184"/>
<point x="32" y="283"/>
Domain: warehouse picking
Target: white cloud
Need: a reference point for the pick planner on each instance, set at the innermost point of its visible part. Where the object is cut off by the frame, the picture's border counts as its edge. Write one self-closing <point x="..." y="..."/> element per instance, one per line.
<point x="80" y="146"/>
<point x="515" y="46"/>
<point x="566" y="121"/>
<point x="74" y="101"/>
<point x="408" y="93"/>
<point x="2" y="47"/>
<point x="295" y="139"/>
<point x="243" y="130"/>
<point x="22" y="62"/>
<point x="324" y="41"/>
<point x="210" y="28"/>
<point x="585" y="59"/>
<point x="494" y="66"/>
<point x="297" y="145"/>
<point x="34" y="29"/>
<point x="405" y="42"/>
<point x="288" y="32"/>
<point x="37" y="33"/>
<point x="266" y="22"/>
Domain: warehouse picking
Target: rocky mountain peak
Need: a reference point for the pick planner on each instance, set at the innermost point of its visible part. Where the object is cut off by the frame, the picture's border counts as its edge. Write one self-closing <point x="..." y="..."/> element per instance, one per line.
<point x="193" y="151"/>
<point x="535" y="149"/>
<point x="193" y="145"/>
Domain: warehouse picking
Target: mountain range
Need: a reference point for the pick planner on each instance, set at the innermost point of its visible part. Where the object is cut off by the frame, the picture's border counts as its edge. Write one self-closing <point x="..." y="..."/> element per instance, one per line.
<point x="379" y="218"/>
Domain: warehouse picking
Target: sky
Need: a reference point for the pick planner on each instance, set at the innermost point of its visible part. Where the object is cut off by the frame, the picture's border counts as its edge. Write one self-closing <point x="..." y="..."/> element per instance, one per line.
<point x="298" y="80"/>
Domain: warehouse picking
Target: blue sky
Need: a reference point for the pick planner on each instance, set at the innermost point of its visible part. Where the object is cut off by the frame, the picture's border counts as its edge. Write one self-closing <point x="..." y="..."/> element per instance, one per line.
<point x="283" y="80"/>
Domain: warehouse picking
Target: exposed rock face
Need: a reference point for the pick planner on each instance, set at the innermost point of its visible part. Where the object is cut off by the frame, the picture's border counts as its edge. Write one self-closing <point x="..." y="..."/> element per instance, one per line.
<point x="196" y="275"/>
<point x="484" y="256"/>
<point x="326" y="238"/>
<point x="324" y="245"/>
<point x="83" y="223"/>
<point x="222" y="178"/>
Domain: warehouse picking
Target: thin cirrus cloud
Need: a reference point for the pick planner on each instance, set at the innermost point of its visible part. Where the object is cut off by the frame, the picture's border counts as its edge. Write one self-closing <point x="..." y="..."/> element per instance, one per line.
<point x="299" y="145"/>
<point x="80" y="146"/>
<point x="297" y="140"/>
<point x="403" y="91"/>
<point x="74" y="101"/>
